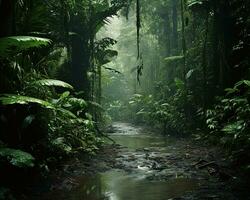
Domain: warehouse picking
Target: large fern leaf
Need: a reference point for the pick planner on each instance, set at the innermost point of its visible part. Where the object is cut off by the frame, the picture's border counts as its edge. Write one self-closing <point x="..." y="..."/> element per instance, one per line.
<point x="52" y="82"/>
<point x="10" y="99"/>
<point x="12" y="45"/>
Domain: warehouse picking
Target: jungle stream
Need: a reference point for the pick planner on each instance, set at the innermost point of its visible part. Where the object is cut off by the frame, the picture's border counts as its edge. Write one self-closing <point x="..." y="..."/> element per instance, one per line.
<point x="141" y="165"/>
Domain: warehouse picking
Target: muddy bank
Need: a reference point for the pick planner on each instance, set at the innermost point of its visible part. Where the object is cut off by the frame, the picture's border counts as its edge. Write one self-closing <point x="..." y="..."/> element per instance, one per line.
<point x="143" y="165"/>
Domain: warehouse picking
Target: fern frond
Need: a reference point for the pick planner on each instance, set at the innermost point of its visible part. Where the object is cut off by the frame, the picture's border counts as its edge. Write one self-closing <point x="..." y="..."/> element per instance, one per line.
<point x="15" y="44"/>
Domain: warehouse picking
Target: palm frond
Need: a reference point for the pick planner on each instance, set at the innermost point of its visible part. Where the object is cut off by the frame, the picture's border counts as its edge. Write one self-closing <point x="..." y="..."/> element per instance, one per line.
<point x="101" y="17"/>
<point x="107" y="56"/>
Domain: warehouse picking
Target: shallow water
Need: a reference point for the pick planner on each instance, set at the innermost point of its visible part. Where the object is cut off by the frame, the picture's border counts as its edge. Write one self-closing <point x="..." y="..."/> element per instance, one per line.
<point x="132" y="182"/>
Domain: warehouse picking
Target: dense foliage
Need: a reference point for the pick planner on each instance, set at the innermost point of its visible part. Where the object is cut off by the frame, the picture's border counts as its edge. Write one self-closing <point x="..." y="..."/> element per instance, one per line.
<point x="195" y="71"/>
<point x="50" y="63"/>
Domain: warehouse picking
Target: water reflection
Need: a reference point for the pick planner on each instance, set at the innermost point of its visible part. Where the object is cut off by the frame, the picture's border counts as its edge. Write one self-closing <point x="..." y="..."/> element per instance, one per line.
<point x="140" y="141"/>
<point x="118" y="185"/>
<point x="122" y="186"/>
<point x="133" y="185"/>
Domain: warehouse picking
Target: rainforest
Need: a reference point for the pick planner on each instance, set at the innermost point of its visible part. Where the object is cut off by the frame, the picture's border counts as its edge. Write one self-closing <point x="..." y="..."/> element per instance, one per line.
<point x="124" y="99"/>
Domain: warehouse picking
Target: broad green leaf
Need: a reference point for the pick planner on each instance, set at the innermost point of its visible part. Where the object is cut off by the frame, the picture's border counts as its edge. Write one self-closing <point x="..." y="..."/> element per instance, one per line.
<point x="52" y="82"/>
<point x="17" y="157"/>
<point x="9" y="99"/>
<point x="77" y="102"/>
<point x="10" y="46"/>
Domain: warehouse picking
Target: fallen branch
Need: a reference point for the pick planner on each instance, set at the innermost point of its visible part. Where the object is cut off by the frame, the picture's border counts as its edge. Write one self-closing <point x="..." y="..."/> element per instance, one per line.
<point x="208" y="164"/>
<point x="103" y="135"/>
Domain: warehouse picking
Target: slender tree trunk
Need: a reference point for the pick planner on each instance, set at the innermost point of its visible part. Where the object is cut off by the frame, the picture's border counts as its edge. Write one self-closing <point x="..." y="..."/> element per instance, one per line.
<point x="215" y="40"/>
<point x="167" y="34"/>
<point x="184" y="48"/>
<point x="99" y="84"/>
<point x="222" y="45"/>
<point x="204" y="62"/>
<point x="175" y="26"/>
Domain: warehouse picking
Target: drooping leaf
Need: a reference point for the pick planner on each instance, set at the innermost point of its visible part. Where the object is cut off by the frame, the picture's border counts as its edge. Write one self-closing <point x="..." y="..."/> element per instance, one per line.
<point x="95" y="105"/>
<point x="10" y="99"/>
<point x="231" y="90"/>
<point x="172" y="59"/>
<point x="52" y="82"/>
<point x="194" y="2"/>
<point x="107" y="56"/>
<point x="27" y="121"/>
<point x="102" y="14"/>
<point x="243" y="82"/>
<point x="65" y="95"/>
<point x="66" y="112"/>
<point x="190" y="73"/>
<point x="104" y="43"/>
<point x="10" y="46"/>
<point x="112" y="70"/>
<point x="198" y="4"/>
<point x="73" y="34"/>
<point x="17" y="157"/>
<point x="78" y="102"/>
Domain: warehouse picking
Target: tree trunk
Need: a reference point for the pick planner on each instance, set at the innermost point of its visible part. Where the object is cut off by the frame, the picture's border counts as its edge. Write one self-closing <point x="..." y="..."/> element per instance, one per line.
<point x="7" y="11"/>
<point x="184" y="48"/>
<point x="80" y="67"/>
<point x="204" y="62"/>
<point x="99" y="84"/>
<point x="175" y="26"/>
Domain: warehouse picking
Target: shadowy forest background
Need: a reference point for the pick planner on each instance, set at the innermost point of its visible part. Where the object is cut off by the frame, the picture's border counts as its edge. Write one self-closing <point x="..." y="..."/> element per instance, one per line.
<point x="70" y="67"/>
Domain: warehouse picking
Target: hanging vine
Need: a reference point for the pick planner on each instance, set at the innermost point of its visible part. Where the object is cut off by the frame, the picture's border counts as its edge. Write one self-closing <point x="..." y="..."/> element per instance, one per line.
<point x="138" y="27"/>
